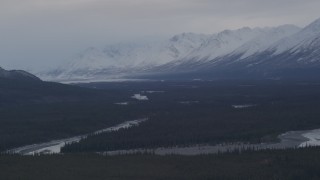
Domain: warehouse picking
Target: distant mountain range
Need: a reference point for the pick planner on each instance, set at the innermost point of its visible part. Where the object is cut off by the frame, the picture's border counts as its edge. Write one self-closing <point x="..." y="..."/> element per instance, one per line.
<point x="284" y="51"/>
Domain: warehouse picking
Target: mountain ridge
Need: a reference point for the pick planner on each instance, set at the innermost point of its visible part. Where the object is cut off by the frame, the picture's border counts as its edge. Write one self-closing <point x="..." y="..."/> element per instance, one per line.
<point x="248" y="49"/>
<point x="17" y="75"/>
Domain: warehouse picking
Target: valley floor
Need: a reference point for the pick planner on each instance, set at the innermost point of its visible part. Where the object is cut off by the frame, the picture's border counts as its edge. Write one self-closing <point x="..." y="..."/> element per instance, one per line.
<point x="179" y="114"/>
<point x="291" y="139"/>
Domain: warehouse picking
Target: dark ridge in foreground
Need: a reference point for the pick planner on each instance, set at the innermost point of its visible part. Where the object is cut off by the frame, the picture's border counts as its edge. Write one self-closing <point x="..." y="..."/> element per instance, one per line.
<point x="264" y="165"/>
<point x="17" y="75"/>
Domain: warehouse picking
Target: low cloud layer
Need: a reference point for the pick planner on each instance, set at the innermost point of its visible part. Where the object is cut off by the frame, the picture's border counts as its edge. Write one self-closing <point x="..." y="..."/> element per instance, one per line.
<point x="43" y="33"/>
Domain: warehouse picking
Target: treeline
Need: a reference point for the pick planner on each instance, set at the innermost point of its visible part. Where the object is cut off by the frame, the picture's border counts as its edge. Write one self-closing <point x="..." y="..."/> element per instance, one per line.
<point x="262" y="165"/>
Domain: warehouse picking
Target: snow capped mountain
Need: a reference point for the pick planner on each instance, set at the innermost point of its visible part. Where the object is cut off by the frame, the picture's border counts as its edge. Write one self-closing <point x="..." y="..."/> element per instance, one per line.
<point x="263" y="48"/>
<point x="138" y="55"/>
<point x="312" y="29"/>
<point x="218" y="48"/>
<point x="123" y="58"/>
<point x="224" y="43"/>
<point x="305" y="36"/>
<point x="265" y="39"/>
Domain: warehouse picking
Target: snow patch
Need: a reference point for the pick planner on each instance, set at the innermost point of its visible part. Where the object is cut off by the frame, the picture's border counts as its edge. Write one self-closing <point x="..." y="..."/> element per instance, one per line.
<point x="188" y="102"/>
<point x="140" y="97"/>
<point x="242" y="106"/>
<point x="314" y="138"/>
<point x="122" y="103"/>
<point x="152" y="92"/>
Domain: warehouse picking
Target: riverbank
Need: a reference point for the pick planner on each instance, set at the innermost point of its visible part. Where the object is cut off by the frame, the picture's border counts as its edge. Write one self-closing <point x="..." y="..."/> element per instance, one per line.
<point x="292" y="139"/>
<point x="54" y="147"/>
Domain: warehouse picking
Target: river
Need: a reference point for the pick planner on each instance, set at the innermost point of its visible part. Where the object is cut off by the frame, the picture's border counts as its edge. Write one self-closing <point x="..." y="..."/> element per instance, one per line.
<point x="292" y="139"/>
<point x="54" y="147"/>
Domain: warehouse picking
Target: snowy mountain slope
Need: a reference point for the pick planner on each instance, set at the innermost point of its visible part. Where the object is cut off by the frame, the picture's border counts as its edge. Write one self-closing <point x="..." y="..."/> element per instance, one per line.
<point x="302" y="38"/>
<point x="295" y="56"/>
<point x="237" y="46"/>
<point x="301" y="49"/>
<point x="115" y="60"/>
<point x="224" y="43"/>
<point x="268" y="37"/>
<point x="277" y="49"/>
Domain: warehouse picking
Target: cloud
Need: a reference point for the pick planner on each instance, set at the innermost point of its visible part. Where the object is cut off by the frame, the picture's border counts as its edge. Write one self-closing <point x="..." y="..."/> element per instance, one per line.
<point x="39" y="33"/>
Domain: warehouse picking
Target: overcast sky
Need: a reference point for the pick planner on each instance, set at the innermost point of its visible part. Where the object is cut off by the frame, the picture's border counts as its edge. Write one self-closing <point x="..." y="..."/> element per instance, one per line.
<point x="44" y="33"/>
